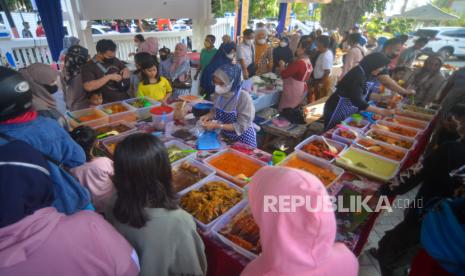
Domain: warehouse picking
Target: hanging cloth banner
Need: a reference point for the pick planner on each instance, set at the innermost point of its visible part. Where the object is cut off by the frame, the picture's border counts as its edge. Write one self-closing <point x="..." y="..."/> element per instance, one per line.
<point x="242" y="17"/>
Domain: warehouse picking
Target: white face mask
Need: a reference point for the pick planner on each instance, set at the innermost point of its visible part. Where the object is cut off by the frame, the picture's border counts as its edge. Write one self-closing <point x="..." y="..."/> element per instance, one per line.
<point x="283" y="44"/>
<point x="220" y="89"/>
<point x="230" y="56"/>
<point x="261" y="41"/>
<point x="249" y="42"/>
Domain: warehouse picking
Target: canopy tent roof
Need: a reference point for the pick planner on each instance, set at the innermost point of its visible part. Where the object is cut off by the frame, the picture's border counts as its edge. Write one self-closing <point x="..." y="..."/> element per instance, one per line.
<point x="133" y="9"/>
<point x="427" y="12"/>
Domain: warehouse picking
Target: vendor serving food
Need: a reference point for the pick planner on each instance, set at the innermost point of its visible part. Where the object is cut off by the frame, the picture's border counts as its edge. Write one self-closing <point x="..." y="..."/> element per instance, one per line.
<point x="234" y="110"/>
<point x="349" y="96"/>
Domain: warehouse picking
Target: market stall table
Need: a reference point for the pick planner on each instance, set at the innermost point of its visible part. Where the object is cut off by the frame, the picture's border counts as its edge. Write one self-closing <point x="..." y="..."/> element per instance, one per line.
<point x="266" y="99"/>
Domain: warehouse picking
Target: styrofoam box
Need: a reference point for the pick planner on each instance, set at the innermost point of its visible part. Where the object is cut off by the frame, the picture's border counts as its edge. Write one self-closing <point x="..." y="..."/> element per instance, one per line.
<point x="204" y="168"/>
<point x="225" y="220"/>
<point x="131" y="127"/>
<point x="129" y="116"/>
<point x="181" y="146"/>
<point x="207" y="227"/>
<point x="318" y="162"/>
<point x="338" y="145"/>
<point x="388" y="124"/>
<point x="388" y="146"/>
<point x="117" y="138"/>
<point x="104" y="118"/>
<point x="232" y="178"/>
<point x="393" y="135"/>
<point x="143" y="112"/>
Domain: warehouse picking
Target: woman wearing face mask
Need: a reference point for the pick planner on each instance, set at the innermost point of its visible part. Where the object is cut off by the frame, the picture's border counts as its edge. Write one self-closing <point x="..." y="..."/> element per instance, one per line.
<point x="427" y="81"/>
<point x="224" y="56"/>
<point x="282" y="52"/>
<point x="234" y="110"/>
<point x="295" y="77"/>
<point x="349" y="97"/>
<point x="177" y="69"/>
<point x="43" y="82"/>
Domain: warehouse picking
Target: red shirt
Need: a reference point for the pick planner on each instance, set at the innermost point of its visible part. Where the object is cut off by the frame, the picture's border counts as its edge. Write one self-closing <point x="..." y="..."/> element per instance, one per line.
<point x="40" y="31"/>
<point x="297" y="70"/>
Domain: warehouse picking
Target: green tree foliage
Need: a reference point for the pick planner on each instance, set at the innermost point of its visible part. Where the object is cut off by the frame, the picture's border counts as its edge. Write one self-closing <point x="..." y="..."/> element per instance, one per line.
<point x="263" y="8"/>
<point x="343" y="14"/>
<point x="301" y="12"/>
<point x="377" y="25"/>
<point x="15" y="5"/>
<point x="219" y="7"/>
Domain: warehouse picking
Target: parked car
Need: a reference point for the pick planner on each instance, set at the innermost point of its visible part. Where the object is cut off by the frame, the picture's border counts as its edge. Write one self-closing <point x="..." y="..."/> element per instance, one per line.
<point x="445" y="41"/>
<point x="102" y="29"/>
<point x="181" y="27"/>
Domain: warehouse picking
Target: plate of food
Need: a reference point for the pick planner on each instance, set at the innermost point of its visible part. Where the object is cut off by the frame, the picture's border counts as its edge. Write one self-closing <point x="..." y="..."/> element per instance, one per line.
<point x="316" y="146"/>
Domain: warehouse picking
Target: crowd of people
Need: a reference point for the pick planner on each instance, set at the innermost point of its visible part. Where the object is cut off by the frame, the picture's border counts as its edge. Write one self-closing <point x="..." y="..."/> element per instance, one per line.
<point x="123" y="213"/>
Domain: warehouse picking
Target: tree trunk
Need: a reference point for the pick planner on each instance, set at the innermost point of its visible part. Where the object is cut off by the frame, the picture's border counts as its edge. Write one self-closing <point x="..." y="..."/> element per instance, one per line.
<point x="404" y="7"/>
<point x="343" y="14"/>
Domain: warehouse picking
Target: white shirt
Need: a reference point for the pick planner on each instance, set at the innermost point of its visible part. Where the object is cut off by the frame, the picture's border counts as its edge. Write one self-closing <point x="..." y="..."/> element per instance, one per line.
<point x="324" y="62"/>
<point x="245" y="52"/>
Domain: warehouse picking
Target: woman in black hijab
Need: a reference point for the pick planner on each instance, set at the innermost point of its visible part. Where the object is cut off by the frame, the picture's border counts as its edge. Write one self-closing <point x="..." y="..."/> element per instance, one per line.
<point x="282" y="52"/>
<point x="349" y="97"/>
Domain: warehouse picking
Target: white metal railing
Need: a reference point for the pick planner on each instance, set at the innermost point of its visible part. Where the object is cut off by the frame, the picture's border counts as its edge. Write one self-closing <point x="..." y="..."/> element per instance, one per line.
<point x="26" y="51"/>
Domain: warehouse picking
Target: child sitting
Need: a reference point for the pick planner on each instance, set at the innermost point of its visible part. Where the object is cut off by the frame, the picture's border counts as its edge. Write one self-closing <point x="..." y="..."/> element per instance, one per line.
<point x="95" y="98"/>
<point x="96" y="174"/>
<point x="152" y="84"/>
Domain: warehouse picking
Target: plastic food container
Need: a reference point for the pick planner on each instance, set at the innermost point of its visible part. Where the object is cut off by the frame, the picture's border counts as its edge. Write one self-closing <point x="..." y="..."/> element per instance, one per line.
<point x="317" y="163"/>
<point x="405" y="131"/>
<point x="205" y="169"/>
<point x="160" y="114"/>
<point x="408" y="122"/>
<point x="233" y="178"/>
<point x="362" y="126"/>
<point x="223" y="222"/>
<point x="142" y="112"/>
<point x="129" y="115"/>
<point x="113" y="126"/>
<point x="338" y="145"/>
<point x="392" y="138"/>
<point x="337" y="136"/>
<point x="110" y="143"/>
<point x="417" y="109"/>
<point x="75" y="118"/>
<point x="206" y="227"/>
<point x="180" y="146"/>
<point x="385" y="147"/>
<point x="415" y="115"/>
<point x="368" y="164"/>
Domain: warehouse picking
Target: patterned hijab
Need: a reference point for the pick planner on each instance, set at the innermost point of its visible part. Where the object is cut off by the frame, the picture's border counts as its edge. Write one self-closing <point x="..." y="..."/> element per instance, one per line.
<point x="230" y="74"/>
<point x="75" y="58"/>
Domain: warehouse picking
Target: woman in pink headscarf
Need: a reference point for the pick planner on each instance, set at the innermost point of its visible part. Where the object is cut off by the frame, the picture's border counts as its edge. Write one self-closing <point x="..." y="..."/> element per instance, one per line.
<point x="299" y="242"/>
<point x="177" y="69"/>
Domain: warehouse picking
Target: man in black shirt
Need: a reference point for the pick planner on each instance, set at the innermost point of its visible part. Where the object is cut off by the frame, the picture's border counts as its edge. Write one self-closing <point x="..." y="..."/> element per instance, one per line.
<point x="106" y="74"/>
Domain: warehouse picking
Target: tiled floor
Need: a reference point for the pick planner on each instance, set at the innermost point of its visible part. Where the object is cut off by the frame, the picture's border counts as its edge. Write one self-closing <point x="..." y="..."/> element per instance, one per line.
<point x="386" y="221"/>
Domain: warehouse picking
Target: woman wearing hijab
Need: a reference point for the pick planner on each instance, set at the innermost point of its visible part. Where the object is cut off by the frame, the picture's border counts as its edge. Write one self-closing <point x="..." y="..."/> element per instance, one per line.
<point x="19" y="121"/>
<point x="177" y="69"/>
<point x="295" y="78"/>
<point x="68" y="42"/>
<point x="224" y="56"/>
<point x="35" y="239"/>
<point x="300" y="242"/>
<point x="427" y="81"/>
<point x="349" y="97"/>
<point x="234" y="109"/>
<point x="75" y="96"/>
<point x="282" y="52"/>
<point x="43" y="82"/>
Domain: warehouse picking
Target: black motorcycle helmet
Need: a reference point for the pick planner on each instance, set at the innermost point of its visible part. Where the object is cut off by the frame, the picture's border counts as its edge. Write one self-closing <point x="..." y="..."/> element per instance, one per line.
<point x="15" y="94"/>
